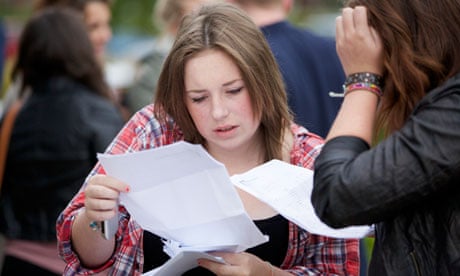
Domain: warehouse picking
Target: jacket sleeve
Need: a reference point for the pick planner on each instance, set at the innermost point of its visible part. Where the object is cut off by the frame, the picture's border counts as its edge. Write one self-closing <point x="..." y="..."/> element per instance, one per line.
<point x="356" y="185"/>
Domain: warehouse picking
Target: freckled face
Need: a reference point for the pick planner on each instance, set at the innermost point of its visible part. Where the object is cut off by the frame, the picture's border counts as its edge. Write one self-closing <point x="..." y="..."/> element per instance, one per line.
<point x="97" y="18"/>
<point x="218" y="101"/>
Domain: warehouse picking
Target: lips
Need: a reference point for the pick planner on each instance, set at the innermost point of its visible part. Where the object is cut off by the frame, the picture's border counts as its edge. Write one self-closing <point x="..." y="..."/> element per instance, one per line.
<point x="224" y="129"/>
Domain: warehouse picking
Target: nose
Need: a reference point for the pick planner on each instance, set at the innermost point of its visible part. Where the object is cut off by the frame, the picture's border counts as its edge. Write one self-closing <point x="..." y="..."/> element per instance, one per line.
<point x="219" y="108"/>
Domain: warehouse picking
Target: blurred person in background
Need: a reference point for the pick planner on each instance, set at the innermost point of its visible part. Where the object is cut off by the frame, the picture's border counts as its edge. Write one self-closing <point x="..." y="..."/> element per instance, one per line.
<point x="97" y="15"/>
<point x="167" y="14"/>
<point x="309" y="63"/>
<point x="67" y="117"/>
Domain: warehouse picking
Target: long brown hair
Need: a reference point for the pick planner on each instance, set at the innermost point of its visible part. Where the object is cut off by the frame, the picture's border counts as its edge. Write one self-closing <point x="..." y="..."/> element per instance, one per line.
<point x="421" y="51"/>
<point x="224" y="27"/>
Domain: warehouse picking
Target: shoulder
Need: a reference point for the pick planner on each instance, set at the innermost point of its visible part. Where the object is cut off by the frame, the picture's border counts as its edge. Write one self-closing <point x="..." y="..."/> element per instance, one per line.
<point x="75" y="96"/>
<point x="444" y="96"/>
<point x="287" y="29"/>
<point x="148" y="131"/>
<point x="91" y="108"/>
<point x="307" y="146"/>
<point x="304" y="136"/>
<point x="73" y="89"/>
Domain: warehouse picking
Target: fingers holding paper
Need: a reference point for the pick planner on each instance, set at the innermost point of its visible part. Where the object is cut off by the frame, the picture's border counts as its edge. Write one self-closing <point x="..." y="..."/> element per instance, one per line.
<point x="101" y="196"/>
<point x="237" y="264"/>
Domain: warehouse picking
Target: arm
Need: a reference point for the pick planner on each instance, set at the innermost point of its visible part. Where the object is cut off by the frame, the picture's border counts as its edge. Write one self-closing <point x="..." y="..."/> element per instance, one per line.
<point x="360" y="50"/>
<point x="101" y="203"/>
<point x="319" y="255"/>
<point x="74" y="233"/>
<point x="355" y="185"/>
<point x="313" y="254"/>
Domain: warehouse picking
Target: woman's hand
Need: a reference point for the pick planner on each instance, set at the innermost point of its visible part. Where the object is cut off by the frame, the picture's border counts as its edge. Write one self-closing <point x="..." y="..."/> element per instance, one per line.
<point x="101" y="197"/>
<point x="237" y="264"/>
<point x="358" y="45"/>
<point x="101" y="203"/>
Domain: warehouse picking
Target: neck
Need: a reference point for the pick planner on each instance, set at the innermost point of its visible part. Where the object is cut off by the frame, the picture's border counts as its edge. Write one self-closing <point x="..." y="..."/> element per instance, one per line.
<point x="242" y="159"/>
<point x="266" y="16"/>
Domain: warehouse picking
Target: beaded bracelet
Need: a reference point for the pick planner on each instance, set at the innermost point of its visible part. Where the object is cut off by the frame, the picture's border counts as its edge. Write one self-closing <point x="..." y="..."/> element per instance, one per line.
<point x="371" y="87"/>
<point x="364" y="77"/>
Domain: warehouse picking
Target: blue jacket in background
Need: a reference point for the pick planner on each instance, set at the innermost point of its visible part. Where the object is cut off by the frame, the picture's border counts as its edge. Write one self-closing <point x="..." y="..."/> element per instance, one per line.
<point x="311" y="69"/>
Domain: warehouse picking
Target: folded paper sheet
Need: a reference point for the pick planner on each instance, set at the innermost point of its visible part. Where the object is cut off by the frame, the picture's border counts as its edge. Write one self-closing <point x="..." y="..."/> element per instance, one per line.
<point x="182" y="194"/>
<point x="287" y="189"/>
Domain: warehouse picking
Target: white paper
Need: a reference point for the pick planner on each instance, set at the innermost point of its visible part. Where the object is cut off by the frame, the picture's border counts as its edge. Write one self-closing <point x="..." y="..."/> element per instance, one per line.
<point x="287" y="189"/>
<point x="180" y="193"/>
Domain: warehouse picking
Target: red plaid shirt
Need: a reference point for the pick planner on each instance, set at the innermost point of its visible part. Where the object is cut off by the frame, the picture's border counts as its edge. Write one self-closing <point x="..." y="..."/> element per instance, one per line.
<point x="307" y="254"/>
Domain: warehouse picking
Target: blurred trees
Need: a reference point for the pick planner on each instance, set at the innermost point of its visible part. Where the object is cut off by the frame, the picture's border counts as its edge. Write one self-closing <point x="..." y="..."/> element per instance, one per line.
<point x="136" y="16"/>
<point x="133" y="16"/>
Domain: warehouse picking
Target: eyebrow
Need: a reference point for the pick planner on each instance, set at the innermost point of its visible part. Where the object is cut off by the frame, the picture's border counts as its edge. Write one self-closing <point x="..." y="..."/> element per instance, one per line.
<point x="204" y="90"/>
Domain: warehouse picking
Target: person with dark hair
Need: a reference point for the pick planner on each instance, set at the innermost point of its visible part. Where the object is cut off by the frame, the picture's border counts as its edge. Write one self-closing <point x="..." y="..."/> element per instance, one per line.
<point x="220" y="88"/>
<point x="402" y="96"/>
<point x="67" y="117"/>
<point x="97" y="15"/>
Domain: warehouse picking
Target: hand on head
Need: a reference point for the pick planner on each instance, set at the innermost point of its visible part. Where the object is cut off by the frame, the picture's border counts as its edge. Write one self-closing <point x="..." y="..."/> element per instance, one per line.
<point x="101" y="197"/>
<point x="358" y="45"/>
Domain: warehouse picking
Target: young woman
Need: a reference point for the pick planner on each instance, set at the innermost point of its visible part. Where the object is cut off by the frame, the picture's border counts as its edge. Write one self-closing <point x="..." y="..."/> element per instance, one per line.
<point x="220" y="87"/>
<point x="403" y="63"/>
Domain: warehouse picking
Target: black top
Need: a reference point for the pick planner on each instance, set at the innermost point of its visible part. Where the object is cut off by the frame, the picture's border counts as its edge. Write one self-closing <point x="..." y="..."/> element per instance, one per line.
<point x="56" y="136"/>
<point x="273" y="251"/>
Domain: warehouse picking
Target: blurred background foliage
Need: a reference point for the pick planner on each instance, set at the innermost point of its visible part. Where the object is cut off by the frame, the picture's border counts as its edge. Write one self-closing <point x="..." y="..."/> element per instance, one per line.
<point x="135" y="16"/>
<point x="134" y="30"/>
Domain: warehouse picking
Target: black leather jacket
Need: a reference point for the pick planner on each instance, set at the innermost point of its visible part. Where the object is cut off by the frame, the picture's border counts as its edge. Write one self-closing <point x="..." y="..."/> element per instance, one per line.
<point x="53" y="147"/>
<point x="408" y="185"/>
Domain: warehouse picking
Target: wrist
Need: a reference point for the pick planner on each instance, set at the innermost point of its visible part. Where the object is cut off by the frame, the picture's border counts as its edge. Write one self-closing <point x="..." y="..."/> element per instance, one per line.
<point x="364" y="81"/>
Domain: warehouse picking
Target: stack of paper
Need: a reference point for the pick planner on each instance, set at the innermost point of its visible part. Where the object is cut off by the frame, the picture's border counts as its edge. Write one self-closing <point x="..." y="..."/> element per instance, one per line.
<point x="182" y="194"/>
